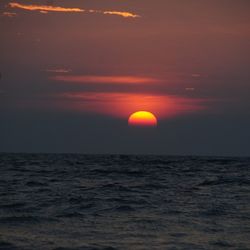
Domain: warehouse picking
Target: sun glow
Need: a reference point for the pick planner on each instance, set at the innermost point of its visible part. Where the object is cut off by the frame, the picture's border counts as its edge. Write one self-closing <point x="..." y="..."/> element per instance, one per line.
<point x="142" y="118"/>
<point x="122" y="105"/>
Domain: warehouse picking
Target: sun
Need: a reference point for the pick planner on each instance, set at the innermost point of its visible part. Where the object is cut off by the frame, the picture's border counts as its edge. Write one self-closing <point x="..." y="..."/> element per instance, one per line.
<point x="142" y="119"/>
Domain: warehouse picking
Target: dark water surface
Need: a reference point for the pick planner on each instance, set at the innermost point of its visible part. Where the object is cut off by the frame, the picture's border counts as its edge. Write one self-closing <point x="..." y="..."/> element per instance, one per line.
<point x="110" y="202"/>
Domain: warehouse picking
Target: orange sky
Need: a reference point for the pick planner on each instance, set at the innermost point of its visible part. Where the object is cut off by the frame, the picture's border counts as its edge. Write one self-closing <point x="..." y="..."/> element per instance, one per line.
<point x="170" y="60"/>
<point x="108" y="58"/>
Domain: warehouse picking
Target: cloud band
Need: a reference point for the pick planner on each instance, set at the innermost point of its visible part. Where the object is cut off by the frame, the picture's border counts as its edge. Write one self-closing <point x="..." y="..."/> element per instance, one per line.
<point x="49" y="8"/>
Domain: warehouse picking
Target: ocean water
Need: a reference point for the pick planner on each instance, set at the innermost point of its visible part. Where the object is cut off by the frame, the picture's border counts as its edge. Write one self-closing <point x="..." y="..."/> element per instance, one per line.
<point x="66" y="201"/>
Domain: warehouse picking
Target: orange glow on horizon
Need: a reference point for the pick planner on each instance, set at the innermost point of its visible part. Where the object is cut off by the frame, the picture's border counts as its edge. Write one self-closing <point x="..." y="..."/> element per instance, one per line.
<point x="122" y="105"/>
<point x="142" y="119"/>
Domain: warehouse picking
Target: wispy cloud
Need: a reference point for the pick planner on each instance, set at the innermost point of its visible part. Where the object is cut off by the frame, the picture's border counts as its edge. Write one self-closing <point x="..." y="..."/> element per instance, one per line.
<point x="105" y="79"/>
<point x="190" y="89"/>
<point x="9" y="14"/>
<point x="113" y="12"/>
<point x="49" y="8"/>
<point x="119" y="13"/>
<point x="43" y="8"/>
<point x="58" y="70"/>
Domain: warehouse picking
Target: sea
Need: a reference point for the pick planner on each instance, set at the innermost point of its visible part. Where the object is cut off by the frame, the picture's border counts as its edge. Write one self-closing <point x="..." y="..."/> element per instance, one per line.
<point x="108" y="202"/>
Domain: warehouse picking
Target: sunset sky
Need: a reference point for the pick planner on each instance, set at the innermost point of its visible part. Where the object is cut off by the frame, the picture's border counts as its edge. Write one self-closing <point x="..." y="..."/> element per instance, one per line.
<point x="72" y="72"/>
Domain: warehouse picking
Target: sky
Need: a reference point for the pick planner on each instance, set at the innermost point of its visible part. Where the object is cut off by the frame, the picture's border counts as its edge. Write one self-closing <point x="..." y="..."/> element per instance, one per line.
<point x="72" y="72"/>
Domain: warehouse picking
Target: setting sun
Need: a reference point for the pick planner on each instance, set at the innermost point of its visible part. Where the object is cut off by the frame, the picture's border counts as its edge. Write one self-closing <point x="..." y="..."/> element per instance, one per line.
<point x="142" y="118"/>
